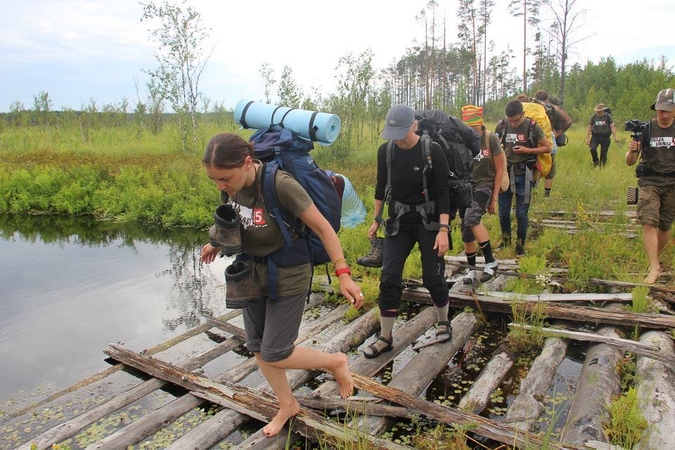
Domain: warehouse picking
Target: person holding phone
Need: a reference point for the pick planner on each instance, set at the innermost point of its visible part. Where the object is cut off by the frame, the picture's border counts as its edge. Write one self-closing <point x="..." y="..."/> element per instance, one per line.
<point x="521" y="157"/>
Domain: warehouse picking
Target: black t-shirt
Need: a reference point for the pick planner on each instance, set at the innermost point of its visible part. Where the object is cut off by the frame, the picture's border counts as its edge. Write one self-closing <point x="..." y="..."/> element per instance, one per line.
<point x="406" y="176"/>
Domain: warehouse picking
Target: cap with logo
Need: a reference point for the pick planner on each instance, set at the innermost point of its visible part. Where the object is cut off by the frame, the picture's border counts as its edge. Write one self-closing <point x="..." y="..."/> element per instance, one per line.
<point x="664" y="101"/>
<point x="399" y="120"/>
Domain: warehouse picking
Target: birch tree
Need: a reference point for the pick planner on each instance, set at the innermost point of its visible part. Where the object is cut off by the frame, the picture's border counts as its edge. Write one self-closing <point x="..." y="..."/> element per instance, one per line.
<point x="181" y="36"/>
<point x="568" y="20"/>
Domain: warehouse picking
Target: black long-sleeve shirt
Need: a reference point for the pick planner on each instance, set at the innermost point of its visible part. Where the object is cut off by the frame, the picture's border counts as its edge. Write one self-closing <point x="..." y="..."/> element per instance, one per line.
<point x="406" y="177"/>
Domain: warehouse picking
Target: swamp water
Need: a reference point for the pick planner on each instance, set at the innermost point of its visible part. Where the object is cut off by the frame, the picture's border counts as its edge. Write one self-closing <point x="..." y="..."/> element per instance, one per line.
<point x="69" y="287"/>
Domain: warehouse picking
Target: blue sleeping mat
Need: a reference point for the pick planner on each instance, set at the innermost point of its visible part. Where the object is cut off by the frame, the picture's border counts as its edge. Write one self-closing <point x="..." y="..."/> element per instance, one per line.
<point x="320" y="127"/>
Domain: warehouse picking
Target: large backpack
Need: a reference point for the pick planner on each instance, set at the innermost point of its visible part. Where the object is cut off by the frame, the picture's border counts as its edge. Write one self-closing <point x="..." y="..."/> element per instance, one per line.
<point x="279" y="148"/>
<point x="536" y="113"/>
<point x="544" y="160"/>
<point x="460" y="145"/>
<point x="459" y="142"/>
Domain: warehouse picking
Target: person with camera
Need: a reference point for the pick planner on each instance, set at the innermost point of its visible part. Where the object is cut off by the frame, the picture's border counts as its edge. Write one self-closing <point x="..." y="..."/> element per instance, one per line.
<point x="653" y="144"/>
<point x="600" y="128"/>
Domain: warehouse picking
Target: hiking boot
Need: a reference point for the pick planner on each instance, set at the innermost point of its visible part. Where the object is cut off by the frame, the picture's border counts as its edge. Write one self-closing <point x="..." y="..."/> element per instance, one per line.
<point x="239" y="285"/>
<point x="489" y="271"/>
<point x="520" y="248"/>
<point x="226" y="232"/>
<point x="374" y="256"/>
<point x="469" y="278"/>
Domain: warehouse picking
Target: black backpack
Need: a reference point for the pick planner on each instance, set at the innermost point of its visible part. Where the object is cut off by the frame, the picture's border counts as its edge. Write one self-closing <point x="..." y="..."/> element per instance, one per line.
<point x="460" y="143"/>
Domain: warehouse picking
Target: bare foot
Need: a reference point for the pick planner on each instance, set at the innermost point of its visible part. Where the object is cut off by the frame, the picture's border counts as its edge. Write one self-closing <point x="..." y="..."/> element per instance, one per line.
<point x="654" y="273"/>
<point x="277" y="424"/>
<point x="653" y="276"/>
<point x="343" y="376"/>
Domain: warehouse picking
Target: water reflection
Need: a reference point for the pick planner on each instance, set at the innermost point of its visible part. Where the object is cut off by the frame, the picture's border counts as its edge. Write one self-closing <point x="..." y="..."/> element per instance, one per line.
<point x="69" y="286"/>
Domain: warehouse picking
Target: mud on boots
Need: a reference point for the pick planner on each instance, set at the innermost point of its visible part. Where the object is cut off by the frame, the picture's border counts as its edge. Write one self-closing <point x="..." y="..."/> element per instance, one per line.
<point x="239" y="285"/>
<point x="226" y="232"/>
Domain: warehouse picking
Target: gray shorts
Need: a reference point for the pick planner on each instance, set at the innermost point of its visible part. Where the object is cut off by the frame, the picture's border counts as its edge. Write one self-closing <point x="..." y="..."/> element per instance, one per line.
<point x="272" y="326"/>
<point x="472" y="215"/>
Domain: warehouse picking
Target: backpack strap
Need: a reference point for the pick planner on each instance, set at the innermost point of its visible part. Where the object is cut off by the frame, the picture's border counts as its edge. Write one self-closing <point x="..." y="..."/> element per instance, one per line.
<point x="426" y="154"/>
<point x="271" y="199"/>
<point x="530" y="134"/>
<point x="242" y="120"/>
<point x="286" y="223"/>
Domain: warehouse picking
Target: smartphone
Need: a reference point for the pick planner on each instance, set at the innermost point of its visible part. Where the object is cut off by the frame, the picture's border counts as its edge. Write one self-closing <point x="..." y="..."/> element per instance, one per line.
<point x="516" y="147"/>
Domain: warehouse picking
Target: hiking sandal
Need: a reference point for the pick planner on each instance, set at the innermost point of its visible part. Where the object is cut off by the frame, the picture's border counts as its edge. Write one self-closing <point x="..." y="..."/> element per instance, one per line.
<point x="469" y="278"/>
<point x="443" y="331"/>
<point x="375" y="352"/>
<point x="489" y="271"/>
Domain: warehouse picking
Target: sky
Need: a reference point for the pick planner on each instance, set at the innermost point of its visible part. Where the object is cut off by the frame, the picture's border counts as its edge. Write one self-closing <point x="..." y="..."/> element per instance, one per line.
<point x="83" y="50"/>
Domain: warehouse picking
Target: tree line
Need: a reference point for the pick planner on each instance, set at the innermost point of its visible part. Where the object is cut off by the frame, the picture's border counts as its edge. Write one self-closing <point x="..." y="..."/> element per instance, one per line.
<point x="434" y="74"/>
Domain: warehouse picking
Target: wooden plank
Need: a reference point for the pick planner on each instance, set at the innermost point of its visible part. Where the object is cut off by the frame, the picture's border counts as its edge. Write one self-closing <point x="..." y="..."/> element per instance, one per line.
<point x="552" y="311"/>
<point x="255" y="403"/>
<point x="150" y="423"/>
<point x="73" y="426"/>
<point x="109" y="371"/>
<point x="627" y="345"/>
<point x="451" y="416"/>
<point x="414" y="378"/>
<point x="656" y="391"/>
<point x="209" y="433"/>
<point x="574" y="297"/>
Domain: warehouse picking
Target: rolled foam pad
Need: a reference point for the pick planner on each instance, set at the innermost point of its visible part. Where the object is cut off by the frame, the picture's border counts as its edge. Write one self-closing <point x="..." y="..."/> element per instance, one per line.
<point x="326" y="126"/>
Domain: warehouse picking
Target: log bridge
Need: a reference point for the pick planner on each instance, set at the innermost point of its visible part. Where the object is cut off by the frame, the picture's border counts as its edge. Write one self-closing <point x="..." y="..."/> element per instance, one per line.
<point x="157" y="397"/>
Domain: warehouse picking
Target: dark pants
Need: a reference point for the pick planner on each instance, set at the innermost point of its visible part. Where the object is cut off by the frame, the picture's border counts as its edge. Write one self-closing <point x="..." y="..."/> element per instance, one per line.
<point x="603" y="142"/>
<point x="505" y="200"/>
<point x="395" y="252"/>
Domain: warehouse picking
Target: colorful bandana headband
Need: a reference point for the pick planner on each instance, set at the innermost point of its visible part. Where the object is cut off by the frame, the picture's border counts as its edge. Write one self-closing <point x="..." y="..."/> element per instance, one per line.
<point x="472" y="115"/>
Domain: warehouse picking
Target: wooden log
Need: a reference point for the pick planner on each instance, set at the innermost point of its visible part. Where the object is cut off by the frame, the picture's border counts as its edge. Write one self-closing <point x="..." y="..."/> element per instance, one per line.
<point x="627" y="284"/>
<point x="575" y="297"/>
<point x="626" y="345"/>
<point x="215" y="429"/>
<point x="490" y="378"/>
<point x="150" y="423"/>
<point x="553" y="311"/>
<point x="528" y="406"/>
<point x="353" y="405"/>
<point x="403" y="336"/>
<point x="73" y="426"/>
<point x="255" y="403"/>
<point x="598" y="384"/>
<point x="423" y="368"/>
<point x="110" y="370"/>
<point x="656" y="391"/>
<point x="451" y="416"/>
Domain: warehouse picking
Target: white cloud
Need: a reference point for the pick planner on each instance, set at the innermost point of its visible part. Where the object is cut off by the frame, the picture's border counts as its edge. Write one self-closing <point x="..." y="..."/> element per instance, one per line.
<point x="79" y="50"/>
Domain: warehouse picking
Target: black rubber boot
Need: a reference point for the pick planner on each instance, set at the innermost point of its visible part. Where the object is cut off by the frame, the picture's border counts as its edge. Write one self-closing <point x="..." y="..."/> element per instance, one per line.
<point x="374" y="256"/>
<point x="226" y="232"/>
<point x="239" y="285"/>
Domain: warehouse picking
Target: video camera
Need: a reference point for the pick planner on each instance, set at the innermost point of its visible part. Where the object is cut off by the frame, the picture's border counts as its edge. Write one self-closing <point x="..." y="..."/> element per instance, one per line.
<point x="637" y="127"/>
